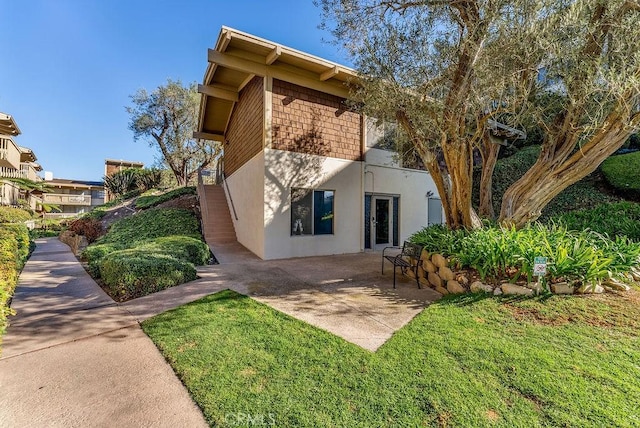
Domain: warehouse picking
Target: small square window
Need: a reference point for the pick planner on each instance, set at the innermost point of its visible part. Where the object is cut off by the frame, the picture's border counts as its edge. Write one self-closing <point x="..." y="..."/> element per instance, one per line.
<point x="312" y="212"/>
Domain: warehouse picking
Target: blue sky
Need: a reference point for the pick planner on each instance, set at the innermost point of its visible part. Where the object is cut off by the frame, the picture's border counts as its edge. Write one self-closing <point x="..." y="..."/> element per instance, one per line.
<point x="69" y="66"/>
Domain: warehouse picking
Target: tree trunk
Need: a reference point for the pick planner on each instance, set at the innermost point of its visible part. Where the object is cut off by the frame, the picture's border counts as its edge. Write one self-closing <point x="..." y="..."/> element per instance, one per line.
<point x="551" y="174"/>
<point x="489" y="151"/>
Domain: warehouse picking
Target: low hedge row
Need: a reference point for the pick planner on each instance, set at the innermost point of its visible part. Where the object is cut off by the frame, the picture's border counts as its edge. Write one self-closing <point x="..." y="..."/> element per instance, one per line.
<point x="617" y="219"/>
<point x="14" y="249"/>
<point x="623" y="173"/>
<point x="148" y="252"/>
<point x="13" y="215"/>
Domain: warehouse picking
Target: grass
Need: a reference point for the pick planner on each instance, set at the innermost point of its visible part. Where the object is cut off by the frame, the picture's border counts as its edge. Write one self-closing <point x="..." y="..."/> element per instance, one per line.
<point x="617" y="219"/>
<point x="465" y="361"/>
<point x="148" y="201"/>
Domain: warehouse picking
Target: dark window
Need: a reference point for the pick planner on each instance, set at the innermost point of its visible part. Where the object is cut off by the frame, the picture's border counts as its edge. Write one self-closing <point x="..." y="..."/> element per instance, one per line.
<point x="311" y="212"/>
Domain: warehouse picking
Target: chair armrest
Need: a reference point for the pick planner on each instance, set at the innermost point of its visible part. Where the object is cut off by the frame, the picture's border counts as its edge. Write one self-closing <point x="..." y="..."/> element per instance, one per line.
<point x="388" y="248"/>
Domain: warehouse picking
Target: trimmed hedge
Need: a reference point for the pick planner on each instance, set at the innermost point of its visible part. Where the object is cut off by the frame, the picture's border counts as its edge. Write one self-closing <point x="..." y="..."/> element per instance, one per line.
<point x="134" y="273"/>
<point x="148" y="201"/>
<point x="14" y="215"/>
<point x="150" y="224"/>
<point x="623" y="172"/>
<point x="183" y="248"/>
<point x="14" y="249"/>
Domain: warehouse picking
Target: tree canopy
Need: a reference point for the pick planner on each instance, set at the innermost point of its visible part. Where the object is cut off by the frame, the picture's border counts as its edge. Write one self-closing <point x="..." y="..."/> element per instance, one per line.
<point x="166" y="119"/>
<point x="449" y="72"/>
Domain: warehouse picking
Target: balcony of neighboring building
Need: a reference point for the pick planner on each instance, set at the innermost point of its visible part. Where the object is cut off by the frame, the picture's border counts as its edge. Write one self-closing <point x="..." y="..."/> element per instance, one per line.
<point x="28" y="170"/>
<point x="66" y="199"/>
<point x="9" y="154"/>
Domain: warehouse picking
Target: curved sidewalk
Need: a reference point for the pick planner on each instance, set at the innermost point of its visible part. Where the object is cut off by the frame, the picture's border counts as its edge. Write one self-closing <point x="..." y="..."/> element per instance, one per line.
<point x="72" y="357"/>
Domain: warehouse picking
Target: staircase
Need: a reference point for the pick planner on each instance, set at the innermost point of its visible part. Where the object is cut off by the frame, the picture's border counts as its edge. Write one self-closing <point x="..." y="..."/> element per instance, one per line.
<point x="216" y="217"/>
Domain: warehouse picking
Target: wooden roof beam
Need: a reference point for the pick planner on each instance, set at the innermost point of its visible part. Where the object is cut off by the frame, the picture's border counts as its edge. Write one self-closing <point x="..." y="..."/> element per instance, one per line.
<point x="274" y="55"/>
<point x="329" y="73"/>
<point x="208" y="136"/>
<point x="217" y="91"/>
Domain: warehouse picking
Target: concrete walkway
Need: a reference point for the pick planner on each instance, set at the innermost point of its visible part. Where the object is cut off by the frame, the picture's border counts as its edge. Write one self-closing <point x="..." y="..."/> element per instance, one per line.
<point x="73" y="357"/>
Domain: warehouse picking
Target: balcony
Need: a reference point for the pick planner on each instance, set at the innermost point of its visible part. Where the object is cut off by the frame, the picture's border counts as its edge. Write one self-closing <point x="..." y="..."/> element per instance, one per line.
<point x="9" y="154"/>
<point x="26" y="171"/>
<point x="66" y="199"/>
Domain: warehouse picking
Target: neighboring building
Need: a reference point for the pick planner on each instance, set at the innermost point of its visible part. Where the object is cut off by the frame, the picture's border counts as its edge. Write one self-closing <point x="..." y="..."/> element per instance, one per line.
<point x="73" y="197"/>
<point x="304" y="175"/>
<point x="112" y="166"/>
<point x="16" y="162"/>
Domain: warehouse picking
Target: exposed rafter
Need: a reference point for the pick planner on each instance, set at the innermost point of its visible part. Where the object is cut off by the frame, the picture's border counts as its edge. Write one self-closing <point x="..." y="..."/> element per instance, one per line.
<point x="329" y="73"/>
<point x="218" y="92"/>
<point x="208" y="136"/>
<point x="274" y="55"/>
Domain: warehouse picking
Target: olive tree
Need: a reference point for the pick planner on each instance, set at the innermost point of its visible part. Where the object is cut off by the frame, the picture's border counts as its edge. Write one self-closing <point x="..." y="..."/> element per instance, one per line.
<point x="453" y="73"/>
<point x="166" y="119"/>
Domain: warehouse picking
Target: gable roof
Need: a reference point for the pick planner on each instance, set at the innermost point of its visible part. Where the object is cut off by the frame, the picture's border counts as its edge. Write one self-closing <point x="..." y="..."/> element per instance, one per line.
<point x="239" y="57"/>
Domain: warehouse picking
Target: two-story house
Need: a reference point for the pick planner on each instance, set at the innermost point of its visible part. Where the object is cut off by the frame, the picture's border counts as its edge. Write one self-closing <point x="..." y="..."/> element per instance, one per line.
<point x="304" y="174"/>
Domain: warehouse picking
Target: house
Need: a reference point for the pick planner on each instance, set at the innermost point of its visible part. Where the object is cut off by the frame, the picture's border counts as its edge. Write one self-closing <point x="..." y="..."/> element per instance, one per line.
<point x="72" y="197"/>
<point x="16" y="162"/>
<point x="303" y="174"/>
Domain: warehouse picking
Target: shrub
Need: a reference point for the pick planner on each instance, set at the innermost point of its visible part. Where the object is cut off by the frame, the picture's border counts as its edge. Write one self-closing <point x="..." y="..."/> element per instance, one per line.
<point x="150" y="224"/>
<point x="501" y="253"/>
<point x="14" y="249"/>
<point x="121" y="182"/>
<point x="617" y="219"/>
<point x="149" y="201"/>
<point x="128" y="274"/>
<point x="13" y="215"/>
<point x="88" y="227"/>
<point x="182" y="248"/>
<point x="623" y="172"/>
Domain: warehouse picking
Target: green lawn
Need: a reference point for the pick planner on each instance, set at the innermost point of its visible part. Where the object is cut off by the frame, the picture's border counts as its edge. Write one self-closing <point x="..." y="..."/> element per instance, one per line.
<point x="465" y="361"/>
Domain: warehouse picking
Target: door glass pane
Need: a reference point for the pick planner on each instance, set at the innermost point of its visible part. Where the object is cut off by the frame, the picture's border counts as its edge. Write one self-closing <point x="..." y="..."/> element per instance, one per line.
<point x="434" y="211"/>
<point x="382" y="221"/>
<point x="323" y="212"/>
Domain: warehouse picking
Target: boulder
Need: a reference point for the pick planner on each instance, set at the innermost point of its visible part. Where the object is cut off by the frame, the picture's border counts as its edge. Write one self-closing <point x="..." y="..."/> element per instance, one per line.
<point x="462" y="279"/>
<point x="513" y="289"/>
<point x="590" y="288"/>
<point x="434" y="279"/>
<point x="635" y="274"/>
<point x="480" y="287"/>
<point x="438" y="260"/>
<point x="497" y="291"/>
<point x="442" y="290"/>
<point x="616" y="285"/>
<point x="454" y="287"/>
<point x="445" y="273"/>
<point x="425" y="255"/>
<point x="428" y="266"/>
<point x="562" y="288"/>
<point x="410" y="273"/>
<point x="424" y="282"/>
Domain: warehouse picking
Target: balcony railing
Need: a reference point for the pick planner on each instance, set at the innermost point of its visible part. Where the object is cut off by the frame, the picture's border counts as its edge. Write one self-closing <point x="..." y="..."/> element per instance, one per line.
<point x="9" y="154"/>
<point x="25" y="171"/>
<point x="66" y="199"/>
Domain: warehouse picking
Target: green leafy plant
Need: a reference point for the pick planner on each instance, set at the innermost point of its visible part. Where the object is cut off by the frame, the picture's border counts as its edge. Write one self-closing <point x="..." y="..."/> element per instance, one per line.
<point x="148" y="201"/>
<point x="90" y="228"/>
<point x="13" y="215"/>
<point x="618" y="219"/>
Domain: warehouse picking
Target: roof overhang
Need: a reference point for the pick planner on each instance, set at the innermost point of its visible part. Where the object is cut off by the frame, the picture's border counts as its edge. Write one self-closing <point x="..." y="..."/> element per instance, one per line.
<point x="239" y="57"/>
<point x="27" y="155"/>
<point x="8" y="125"/>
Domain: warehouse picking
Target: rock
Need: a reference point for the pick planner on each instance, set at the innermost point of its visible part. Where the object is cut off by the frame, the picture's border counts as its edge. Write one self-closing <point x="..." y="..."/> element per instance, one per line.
<point x="442" y="290"/>
<point x="421" y="273"/>
<point x="454" y="287"/>
<point x="438" y="260"/>
<point x="497" y="291"/>
<point x="635" y="274"/>
<point x="590" y="288"/>
<point x="480" y="287"/>
<point x="462" y="279"/>
<point x="562" y="288"/>
<point x="512" y="289"/>
<point x="535" y="286"/>
<point x="616" y="285"/>
<point x="428" y="266"/>
<point x="434" y="279"/>
<point x="425" y="255"/>
<point x="424" y="282"/>
<point x="445" y="273"/>
<point x="410" y="273"/>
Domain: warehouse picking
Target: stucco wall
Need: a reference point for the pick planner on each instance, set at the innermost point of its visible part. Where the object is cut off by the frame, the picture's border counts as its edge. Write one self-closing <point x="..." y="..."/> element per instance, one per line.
<point x="312" y="122"/>
<point x="284" y="170"/>
<point x="412" y="187"/>
<point x="246" y="188"/>
<point x="245" y="132"/>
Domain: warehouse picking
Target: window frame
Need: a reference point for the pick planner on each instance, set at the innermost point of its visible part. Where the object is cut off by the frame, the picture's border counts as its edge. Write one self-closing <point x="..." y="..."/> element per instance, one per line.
<point x="312" y="214"/>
